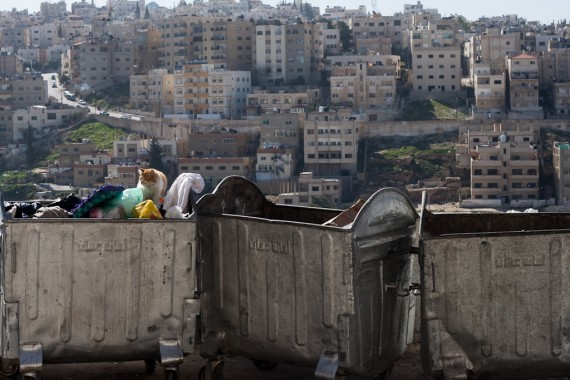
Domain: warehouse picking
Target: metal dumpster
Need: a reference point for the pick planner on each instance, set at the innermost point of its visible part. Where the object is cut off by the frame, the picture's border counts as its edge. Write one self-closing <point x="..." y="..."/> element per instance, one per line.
<point x="493" y="303"/>
<point x="86" y="290"/>
<point x="280" y="285"/>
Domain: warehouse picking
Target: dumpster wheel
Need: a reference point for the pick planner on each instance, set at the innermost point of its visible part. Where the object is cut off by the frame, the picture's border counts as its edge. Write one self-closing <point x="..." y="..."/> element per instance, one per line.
<point x="217" y="373"/>
<point x="264" y="365"/>
<point x="7" y="369"/>
<point x="171" y="375"/>
<point x="149" y="366"/>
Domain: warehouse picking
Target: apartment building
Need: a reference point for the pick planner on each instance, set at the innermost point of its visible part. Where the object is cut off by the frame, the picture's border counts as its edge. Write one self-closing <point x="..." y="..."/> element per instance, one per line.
<point x="126" y="8"/>
<point x="146" y="90"/>
<point x="43" y="35"/>
<point x="490" y="48"/>
<point x="273" y="164"/>
<point x="89" y="175"/>
<point x="282" y="101"/>
<point x="504" y="164"/>
<point x="13" y="37"/>
<point x="330" y="144"/>
<point x="436" y="59"/>
<point x="490" y="92"/>
<point x="41" y="120"/>
<point x="289" y="53"/>
<point x="372" y="35"/>
<point x="522" y="74"/>
<point x="281" y="130"/>
<point x="102" y="63"/>
<point x="561" y="99"/>
<point x="50" y="11"/>
<point x="176" y="41"/>
<point x="199" y="89"/>
<point x="269" y="59"/>
<point x="561" y="163"/>
<point x="310" y="188"/>
<point x="218" y="144"/>
<point x="554" y="65"/>
<point x="85" y="10"/>
<point x="363" y="83"/>
<point x="228" y="92"/>
<point x="228" y="44"/>
<point x="122" y="175"/>
<point x="62" y="172"/>
<point x="23" y="93"/>
<point x="10" y="65"/>
<point x="213" y="170"/>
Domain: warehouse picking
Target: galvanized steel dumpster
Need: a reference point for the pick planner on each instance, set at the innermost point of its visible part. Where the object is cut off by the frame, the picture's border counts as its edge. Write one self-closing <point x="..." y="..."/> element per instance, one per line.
<point x="86" y="290"/>
<point x="494" y="302"/>
<point x="279" y="285"/>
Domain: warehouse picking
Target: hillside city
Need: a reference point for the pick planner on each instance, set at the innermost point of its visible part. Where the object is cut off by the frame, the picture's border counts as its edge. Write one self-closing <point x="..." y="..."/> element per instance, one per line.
<point x="306" y="102"/>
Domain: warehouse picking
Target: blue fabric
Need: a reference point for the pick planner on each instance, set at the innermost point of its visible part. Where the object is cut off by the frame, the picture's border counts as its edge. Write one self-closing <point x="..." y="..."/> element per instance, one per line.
<point x="102" y="195"/>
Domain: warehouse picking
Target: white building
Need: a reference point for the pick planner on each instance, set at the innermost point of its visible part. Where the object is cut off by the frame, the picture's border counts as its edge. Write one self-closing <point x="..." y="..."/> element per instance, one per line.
<point x="273" y="164"/>
<point x="310" y="188"/>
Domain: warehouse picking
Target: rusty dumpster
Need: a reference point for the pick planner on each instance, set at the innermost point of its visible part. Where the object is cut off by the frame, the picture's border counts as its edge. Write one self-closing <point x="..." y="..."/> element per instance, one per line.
<point x="493" y="303"/>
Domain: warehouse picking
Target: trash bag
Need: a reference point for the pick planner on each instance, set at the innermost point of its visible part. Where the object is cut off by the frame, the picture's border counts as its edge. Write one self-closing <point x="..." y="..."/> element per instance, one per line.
<point x="147" y="210"/>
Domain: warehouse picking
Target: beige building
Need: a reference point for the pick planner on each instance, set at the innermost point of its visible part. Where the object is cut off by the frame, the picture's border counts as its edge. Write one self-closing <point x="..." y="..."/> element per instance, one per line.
<point x="490" y="49"/>
<point x="330" y="144"/>
<point x="146" y="90"/>
<point x="200" y="89"/>
<point x="265" y="102"/>
<point x="436" y="58"/>
<point x="310" y="188"/>
<point x="504" y="164"/>
<point x="101" y="63"/>
<point x="23" y="93"/>
<point x="122" y="175"/>
<point x="562" y="99"/>
<point x="363" y="83"/>
<point x="289" y="53"/>
<point x="273" y="164"/>
<point x="489" y="93"/>
<point x="522" y="71"/>
<point x="281" y="130"/>
<point x="561" y="163"/>
<point x="220" y="144"/>
<point x="436" y="71"/>
<point x="213" y="170"/>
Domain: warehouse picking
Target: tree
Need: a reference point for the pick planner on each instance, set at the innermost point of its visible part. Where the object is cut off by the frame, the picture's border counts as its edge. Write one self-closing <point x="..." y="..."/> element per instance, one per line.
<point x="345" y="36"/>
<point x="29" y="137"/>
<point x="156" y="153"/>
<point x="138" y="11"/>
<point x="308" y="11"/>
<point x="146" y="13"/>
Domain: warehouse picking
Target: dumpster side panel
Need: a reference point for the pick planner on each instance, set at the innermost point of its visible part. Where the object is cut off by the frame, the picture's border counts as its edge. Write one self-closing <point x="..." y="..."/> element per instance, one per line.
<point x="493" y="305"/>
<point x="384" y="232"/>
<point x="276" y="289"/>
<point x="99" y="290"/>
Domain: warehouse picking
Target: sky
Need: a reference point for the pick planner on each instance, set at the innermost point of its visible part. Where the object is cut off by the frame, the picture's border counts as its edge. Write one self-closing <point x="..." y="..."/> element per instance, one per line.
<point x="544" y="11"/>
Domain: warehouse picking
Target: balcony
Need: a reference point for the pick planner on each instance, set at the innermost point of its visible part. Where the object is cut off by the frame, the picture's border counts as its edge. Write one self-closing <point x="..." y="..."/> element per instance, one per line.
<point x="480" y="164"/>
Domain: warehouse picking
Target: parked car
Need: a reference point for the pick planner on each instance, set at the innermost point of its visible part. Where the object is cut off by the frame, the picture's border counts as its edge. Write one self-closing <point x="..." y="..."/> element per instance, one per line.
<point x="53" y="85"/>
<point x="104" y="113"/>
<point x="125" y="117"/>
<point x="82" y="103"/>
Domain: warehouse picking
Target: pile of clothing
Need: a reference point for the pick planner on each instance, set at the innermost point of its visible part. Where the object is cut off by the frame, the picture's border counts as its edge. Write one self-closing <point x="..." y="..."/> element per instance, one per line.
<point x="116" y="202"/>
